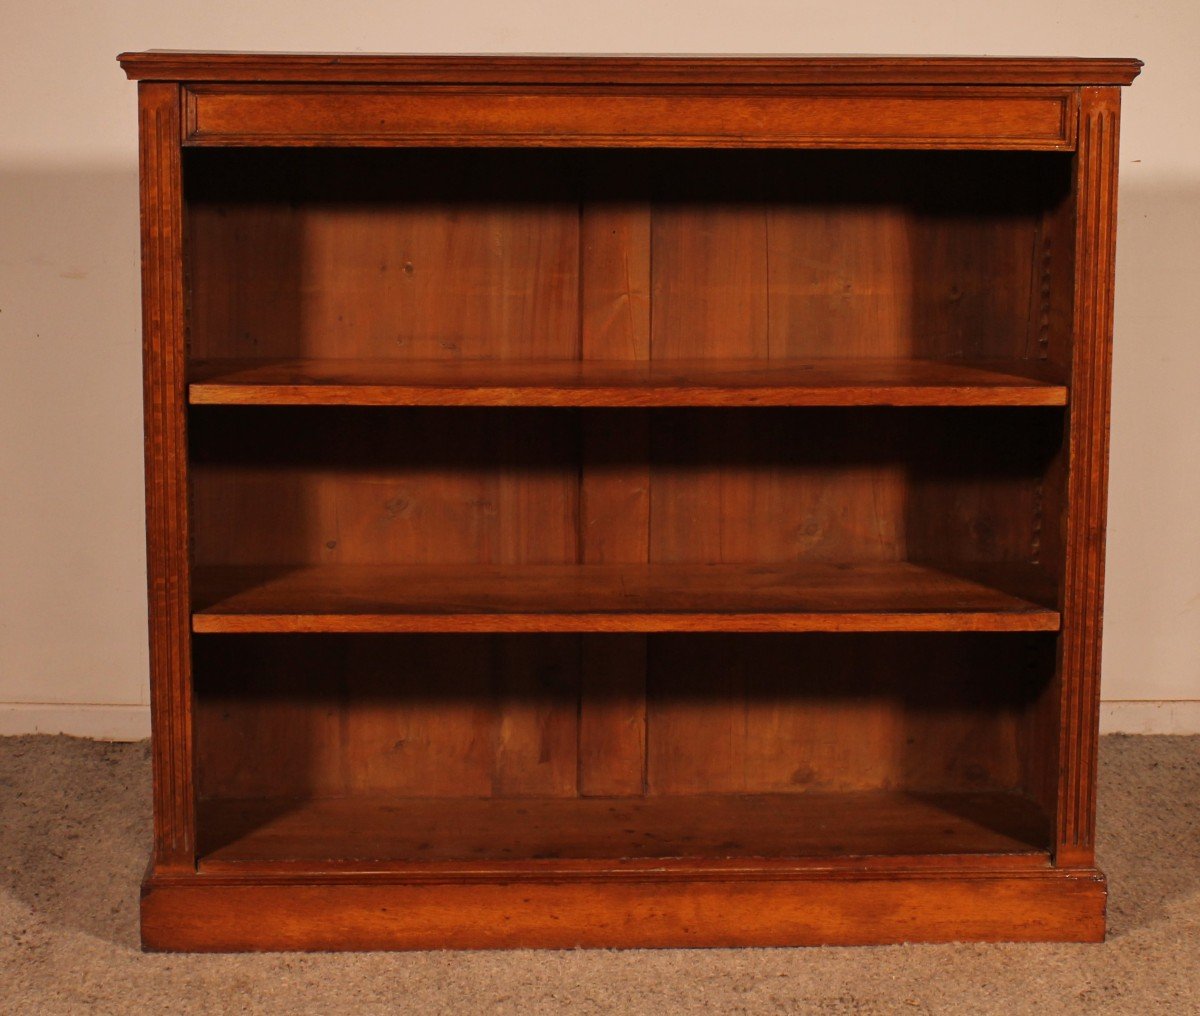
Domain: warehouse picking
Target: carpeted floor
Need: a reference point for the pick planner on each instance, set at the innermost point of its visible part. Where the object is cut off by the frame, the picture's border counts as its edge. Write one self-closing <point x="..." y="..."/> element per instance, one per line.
<point x="74" y="821"/>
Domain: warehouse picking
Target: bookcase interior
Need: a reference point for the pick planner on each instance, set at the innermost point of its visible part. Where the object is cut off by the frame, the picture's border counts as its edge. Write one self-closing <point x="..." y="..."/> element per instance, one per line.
<point x="468" y="748"/>
<point x="484" y="254"/>
<point x="692" y="738"/>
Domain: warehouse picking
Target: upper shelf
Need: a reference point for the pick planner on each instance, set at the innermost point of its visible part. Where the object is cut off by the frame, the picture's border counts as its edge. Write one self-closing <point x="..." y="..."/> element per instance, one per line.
<point x="822" y="382"/>
<point x="175" y="65"/>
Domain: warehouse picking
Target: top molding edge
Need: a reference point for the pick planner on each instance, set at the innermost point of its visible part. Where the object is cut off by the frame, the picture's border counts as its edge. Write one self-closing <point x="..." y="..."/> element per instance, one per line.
<point x="370" y="68"/>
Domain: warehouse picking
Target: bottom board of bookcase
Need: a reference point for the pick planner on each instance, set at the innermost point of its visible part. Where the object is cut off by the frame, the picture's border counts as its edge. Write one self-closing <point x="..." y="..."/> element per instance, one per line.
<point x="296" y="911"/>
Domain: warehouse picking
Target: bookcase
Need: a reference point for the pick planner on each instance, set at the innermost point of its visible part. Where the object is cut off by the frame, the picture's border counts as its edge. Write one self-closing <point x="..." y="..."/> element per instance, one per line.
<point x="601" y="501"/>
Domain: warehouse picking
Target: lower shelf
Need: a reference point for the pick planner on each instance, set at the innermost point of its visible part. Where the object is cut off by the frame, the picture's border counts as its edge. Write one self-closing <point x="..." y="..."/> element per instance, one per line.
<point x="683" y="871"/>
<point x="369" y="833"/>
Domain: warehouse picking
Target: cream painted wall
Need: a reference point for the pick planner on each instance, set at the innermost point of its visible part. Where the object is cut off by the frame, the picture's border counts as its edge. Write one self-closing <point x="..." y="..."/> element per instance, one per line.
<point x="71" y="547"/>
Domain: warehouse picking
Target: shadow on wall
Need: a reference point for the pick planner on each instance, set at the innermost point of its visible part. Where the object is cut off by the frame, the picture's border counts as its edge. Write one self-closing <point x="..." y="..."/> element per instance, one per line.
<point x="1152" y="630"/>
<point x="71" y="464"/>
<point x="72" y="556"/>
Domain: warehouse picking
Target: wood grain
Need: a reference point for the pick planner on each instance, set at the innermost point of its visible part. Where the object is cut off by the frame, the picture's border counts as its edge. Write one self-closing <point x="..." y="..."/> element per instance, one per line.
<point x="167" y="527"/>
<point x="428" y="255"/>
<point x="708" y="826"/>
<point x="206" y="913"/>
<point x="593" y="534"/>
<point x="614" y="470"/>
<point x="179" y="65"/>
<point x="612" y="716"/>
<point x="407" y="716"/>
<point x="839" y="713"/>
<point x="826" y="382"/>
<point x="363" y="486"/>
<point x="597" y="598"/>
<point x="503" y="256"/>
<point x="602" y="116"/>
<point x="1091" y="378"/>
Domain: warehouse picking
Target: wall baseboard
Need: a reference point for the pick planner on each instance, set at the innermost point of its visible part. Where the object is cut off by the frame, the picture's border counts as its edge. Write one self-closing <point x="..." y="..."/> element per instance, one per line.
<point x="1171" y="716"/>
<point x="132" y="722"/>
<point x="100" y="722"/>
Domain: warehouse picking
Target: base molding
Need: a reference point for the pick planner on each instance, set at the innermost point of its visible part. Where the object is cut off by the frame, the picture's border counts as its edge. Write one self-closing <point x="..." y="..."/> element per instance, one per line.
<point x="101" y="722"/>
<point x="207" y="913"/>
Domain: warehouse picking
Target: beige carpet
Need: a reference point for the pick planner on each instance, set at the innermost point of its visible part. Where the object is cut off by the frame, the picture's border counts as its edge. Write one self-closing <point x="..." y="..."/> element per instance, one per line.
<point x="74" y="822"/>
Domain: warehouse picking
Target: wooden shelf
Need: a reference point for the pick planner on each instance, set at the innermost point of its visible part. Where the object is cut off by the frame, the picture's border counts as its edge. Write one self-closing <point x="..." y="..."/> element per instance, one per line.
<point x="876" y="596"/>
<point x="371" y="831"/>
<point x="818" y="382"/>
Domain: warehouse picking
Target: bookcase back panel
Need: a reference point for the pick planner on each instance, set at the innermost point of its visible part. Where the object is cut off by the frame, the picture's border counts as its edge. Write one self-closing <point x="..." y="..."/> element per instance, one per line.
<point x="288" y="717"/>
<point x="485" y="254"/>
<point x="350" y="486"/>
<point x="429" y="256"/>
<point x="839" y="713"/>
<point x="776" y="255"/>
<point x="886" y="484"/>
<point x="550" y="486"/>
<point x="498" y="716"/>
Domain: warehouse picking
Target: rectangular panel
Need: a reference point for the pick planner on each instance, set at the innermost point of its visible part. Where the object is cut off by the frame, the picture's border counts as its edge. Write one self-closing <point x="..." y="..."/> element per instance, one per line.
<point x="1039" y="118"/>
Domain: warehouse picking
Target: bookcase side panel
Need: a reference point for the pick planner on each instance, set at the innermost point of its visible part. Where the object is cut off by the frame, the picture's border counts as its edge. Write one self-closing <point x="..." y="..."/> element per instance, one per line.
<point x="1087" y="473"/>
<point x="164" y="353"/>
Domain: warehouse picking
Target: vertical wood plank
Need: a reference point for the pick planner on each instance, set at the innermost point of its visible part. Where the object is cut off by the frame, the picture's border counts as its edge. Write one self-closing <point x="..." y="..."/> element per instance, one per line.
<point x="614" y="274"/>
<point x="711" y="298"/>
<point x="612" y="716"/>
<point x="614" y="485"/>
<point x="537" y="688"/>
<point x="536" y="680"/>
<point x="1087" y="473"/>
<point x="614" y="528"/>
<point x="841" y="277"/>
<point x="710" y="270"/>
<point x="164" y="363"/>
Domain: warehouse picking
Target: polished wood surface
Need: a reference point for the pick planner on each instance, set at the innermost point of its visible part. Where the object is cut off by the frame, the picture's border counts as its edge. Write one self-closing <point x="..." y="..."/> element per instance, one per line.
<point x="895" y="596"/>
<point x="168" y="565"/>
<point x="291" y="486"/>
<point x="857" y="382"/>
<point x="176" y="65"/>
<point x="600" y="116"/>
<point x="616" y="715"/>
<point x="209" y="913"/>
<point x="704" y="826"/>
<point x="1087" y="477"/>
<point x="667" y="255"/>
<point x="573" y="515"/>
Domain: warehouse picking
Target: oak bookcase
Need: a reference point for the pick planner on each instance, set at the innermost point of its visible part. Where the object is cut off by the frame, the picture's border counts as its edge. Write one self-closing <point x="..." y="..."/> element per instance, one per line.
<point x="624" y="501"/>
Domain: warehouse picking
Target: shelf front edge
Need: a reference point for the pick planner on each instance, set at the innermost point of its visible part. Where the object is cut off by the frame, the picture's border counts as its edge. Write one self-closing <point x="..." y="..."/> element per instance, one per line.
<point x="1033" y="620"/>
